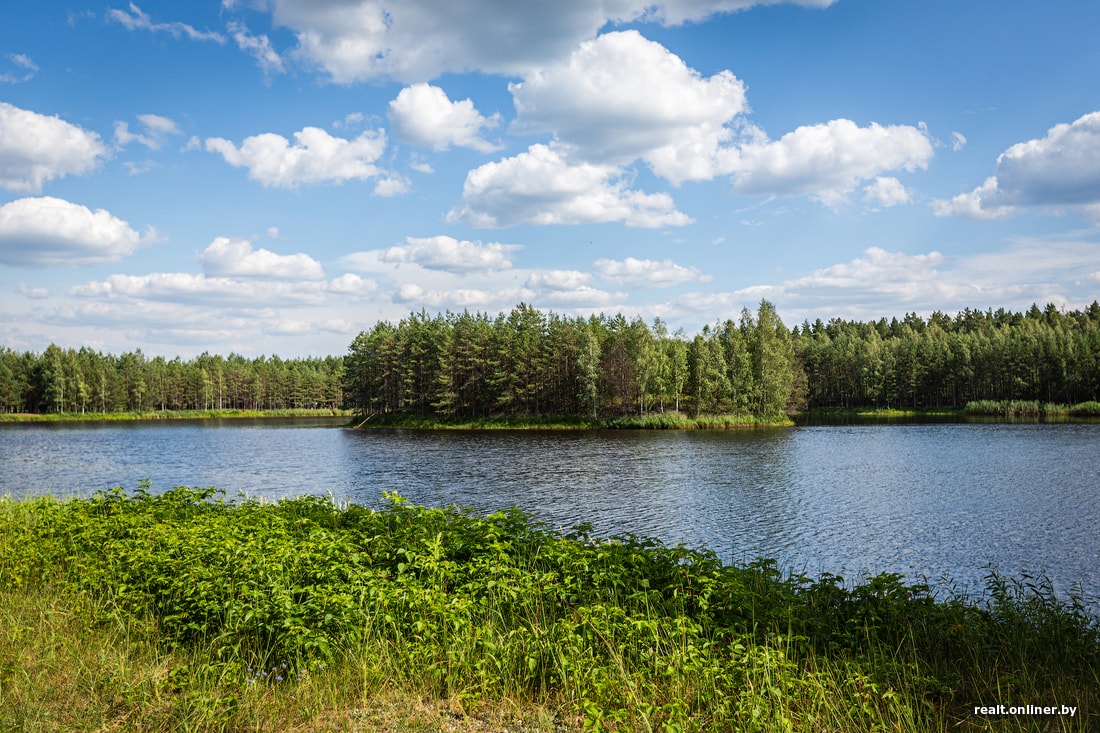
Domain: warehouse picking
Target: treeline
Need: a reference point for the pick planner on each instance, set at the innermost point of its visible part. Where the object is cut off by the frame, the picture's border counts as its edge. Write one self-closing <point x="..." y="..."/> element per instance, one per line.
<point x="1044" y="355"/>
<point x="70" y="380"/>
<point x="531" y="364"/>
<point x="527" y="363"/>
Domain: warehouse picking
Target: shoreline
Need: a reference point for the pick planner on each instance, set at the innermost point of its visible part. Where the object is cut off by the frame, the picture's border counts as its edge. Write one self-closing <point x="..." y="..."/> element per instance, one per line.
<point x="21" y="417"/>
<point x="300" y="614"/>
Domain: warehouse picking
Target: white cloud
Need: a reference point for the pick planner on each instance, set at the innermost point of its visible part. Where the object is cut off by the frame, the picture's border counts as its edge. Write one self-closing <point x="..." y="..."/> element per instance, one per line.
<point x="315" y="157"/>
<point x="226" y="257"/>
<point x="46" y="231"/>
<point x="958" y="141"/>
<point x="33" y="293"/>
<point x="25" y="69"/>
<point x="882" y="283"/>
<point x="416" y="40"/>
<point x="422" y="114"/>
<point x="827" y="161"/>
<point x="197" y="289"/>
<point x="353" y="284"/>
<point x="138" y="19"/>
<point x="977" y="204"/>
<point x="451" y="255"/>
<point x="647" y="273"/>
<point x="391" y="185"/>
<point x="886" y="191"/>
<point x="36" y="148"/>
<point x="411" y="293"/>
<point x="540" y="187"/>
<point x="621" y="97"/>
<point x="1061" y="170"/>
<point x="155" y="129"/>
<point x="557" y="280"/>
<point x="259" y="47"/>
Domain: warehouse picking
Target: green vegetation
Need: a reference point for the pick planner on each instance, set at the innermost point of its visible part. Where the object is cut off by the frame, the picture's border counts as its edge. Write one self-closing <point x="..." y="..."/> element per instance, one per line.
<point x="91" y="383"/>
<point x="655" y="421"/>
<point x="1045" y="356"/>
<point x="529" y="366"/>
<point x="183" y="612"/>
<point x="1030" y="408"/>
<point x="169" y="415"/>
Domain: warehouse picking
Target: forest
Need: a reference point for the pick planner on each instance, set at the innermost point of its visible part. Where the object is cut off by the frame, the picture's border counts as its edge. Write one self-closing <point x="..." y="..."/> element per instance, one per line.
<point x="530" y="363"/>
<point x="83" y="381"/>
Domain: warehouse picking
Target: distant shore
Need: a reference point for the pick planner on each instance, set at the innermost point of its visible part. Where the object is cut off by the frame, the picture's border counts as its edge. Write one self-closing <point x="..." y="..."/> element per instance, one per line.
<point x="168" y="415"/>
<point x="656" y="421"/>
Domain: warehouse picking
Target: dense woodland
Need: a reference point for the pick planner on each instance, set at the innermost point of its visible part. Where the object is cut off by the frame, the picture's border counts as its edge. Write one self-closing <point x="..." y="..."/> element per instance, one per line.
<point x="528" y="363"/>
<point x="70" y="380"/>
<point x="1045" y="355"/>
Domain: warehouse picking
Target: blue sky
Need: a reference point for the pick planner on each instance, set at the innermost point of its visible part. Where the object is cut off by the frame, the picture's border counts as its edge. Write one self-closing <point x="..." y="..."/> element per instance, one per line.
<point x="273" y="176"/>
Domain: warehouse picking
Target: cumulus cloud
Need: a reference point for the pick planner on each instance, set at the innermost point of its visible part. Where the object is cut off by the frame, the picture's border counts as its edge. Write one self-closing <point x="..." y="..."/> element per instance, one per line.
<point x="353" y="284"/>
<point x="621" y="97"/>
<point x="647" y="273"/>
<point x="314" y="157"/>
<point x="422" y="114"/>
<point x="827" y="161"/>
<point x="24" y="69"/>
<point x="391" y="185"/>
<point x="226" y="257"/>
<point x="137" y="19"/>
<point x="451" y="255"/>
<point x="46" y="231"/>
<point x="541" y="187"/>
<point x="886" y="191"/>
<point x="1059" y="171"/>
<point x="557" y="280"/>
<point x="37" y="148"/>
<point x="958" y="141"/>
<point x="192" y="288"/>
<point x="411" y="293"/>
<point x="417" y="40"/>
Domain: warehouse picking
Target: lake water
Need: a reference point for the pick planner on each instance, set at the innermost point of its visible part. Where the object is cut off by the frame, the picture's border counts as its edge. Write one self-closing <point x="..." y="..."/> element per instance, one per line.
<point x="938" y="502"/>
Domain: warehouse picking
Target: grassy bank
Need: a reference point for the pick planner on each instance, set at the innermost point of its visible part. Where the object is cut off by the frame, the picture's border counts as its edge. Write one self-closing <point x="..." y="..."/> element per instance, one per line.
<point x="878" y="413"/>
<point x="653" y="421"/>
<point x="979" y="408"/>
<point x="165" y="415"/>
<point x="1031" y="408"/>
<point x="181" y="612"/>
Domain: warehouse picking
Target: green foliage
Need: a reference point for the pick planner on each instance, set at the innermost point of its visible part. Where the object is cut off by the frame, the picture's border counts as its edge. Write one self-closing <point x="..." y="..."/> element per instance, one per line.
<point x="624" y="633"/>
<point x="87" y="382"/>
<point x="529" y="365"/>
<point x="1024" y="361"/>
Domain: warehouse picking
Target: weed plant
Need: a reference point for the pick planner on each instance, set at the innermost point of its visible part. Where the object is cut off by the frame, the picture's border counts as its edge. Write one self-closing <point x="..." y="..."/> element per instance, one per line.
<point x="184" y="612"/>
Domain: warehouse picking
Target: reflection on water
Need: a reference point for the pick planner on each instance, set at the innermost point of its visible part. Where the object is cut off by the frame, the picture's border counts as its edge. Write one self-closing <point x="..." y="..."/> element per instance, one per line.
<point x="932" y="501"/>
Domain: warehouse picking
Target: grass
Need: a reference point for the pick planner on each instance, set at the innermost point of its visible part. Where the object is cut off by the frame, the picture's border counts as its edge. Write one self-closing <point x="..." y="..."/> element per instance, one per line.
<point x="167" y="415"/>
<point x="652" y="421"/>
<point x="185" y="612"/>
<point x="1031" y="408"/>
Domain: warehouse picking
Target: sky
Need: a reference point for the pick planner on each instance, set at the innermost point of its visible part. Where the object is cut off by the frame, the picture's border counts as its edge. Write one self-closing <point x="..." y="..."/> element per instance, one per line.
<point x="275" y="176"/>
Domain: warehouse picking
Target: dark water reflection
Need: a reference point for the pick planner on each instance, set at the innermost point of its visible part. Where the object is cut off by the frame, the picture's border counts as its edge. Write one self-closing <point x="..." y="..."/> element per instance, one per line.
<point x="934" y="501"/>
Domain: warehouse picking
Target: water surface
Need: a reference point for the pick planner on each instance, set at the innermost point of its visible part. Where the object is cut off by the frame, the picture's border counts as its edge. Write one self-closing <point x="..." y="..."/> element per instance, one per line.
<point x="942" y="502"/>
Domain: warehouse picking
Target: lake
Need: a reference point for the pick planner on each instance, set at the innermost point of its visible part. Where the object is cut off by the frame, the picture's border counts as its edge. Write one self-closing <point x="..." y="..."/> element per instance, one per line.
<point x="939" y="502"/>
